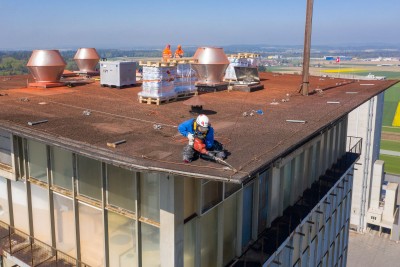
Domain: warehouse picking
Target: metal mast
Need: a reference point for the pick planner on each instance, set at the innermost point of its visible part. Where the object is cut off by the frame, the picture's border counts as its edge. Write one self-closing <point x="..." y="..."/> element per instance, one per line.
<point x="307" y="47"/>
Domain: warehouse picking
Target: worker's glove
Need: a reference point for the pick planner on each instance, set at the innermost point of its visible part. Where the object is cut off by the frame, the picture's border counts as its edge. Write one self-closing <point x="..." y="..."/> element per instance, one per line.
<point x="191" y="139"/>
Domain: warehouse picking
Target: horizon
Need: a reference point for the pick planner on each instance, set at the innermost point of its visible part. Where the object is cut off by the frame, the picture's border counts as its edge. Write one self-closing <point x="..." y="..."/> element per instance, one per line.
<point x="124" y="24"/>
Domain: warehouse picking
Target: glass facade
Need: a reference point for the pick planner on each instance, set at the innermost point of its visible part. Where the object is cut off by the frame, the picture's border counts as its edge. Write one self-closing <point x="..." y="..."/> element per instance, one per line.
<point x="189" y="247"/>
<point x="209" y="241"/>
<point x="4" y="210"/>
<point x="230" y="229"/>
<point x="62" y="167"/>
<point x="150" y="196"/>
<point x="89" y="176"/>
<point x="64" y="224"/>
<point x="211" y="194"/>
<point x="247" y="214"/>
<point x="41" y="213"/>
<point x="37" y="158"/>
<point x="122" y="241"/>
<point x="91" y="231"/>
<point x="121" y="188"/>
<point x="20" y="206"/>
<point x="150" y="245"/>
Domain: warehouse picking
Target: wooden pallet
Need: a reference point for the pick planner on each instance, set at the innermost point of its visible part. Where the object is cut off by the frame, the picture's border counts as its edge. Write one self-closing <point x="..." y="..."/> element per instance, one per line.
<point x="156" y="100"/>
<point x="186" y="94"/>
<point x="184" y="60"/>
<point x="157" y="63"/>
<point x="249" y="55"/>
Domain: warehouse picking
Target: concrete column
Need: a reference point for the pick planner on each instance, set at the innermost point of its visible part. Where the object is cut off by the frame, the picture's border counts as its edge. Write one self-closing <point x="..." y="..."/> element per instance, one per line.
<point x="390" y="202"/>
<point x="322" y="154"/>
<point x="376" y="183"/>
<point x="171" y="221"/>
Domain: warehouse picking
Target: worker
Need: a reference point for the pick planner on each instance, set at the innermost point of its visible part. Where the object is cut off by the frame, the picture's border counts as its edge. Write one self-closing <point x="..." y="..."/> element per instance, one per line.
<point x="201" y="130"/>
<point x="166" y="54"/>
<point x="178" y="52"/>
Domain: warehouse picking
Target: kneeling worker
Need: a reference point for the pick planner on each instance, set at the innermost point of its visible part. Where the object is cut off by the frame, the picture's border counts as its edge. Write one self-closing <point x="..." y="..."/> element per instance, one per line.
<point x="201" y="139"/>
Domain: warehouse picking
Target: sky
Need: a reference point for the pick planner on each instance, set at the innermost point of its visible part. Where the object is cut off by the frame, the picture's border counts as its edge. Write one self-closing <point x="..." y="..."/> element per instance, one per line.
<point x="127" y="24"/>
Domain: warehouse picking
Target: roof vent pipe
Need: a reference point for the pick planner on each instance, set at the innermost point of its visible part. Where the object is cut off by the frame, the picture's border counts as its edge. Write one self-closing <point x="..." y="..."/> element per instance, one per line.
<point x="46" y="66"/>
<point x="86" y="59"/>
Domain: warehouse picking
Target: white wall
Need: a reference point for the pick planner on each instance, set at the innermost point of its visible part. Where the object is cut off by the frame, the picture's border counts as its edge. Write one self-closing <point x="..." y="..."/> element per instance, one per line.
<point x="365" y="122"/>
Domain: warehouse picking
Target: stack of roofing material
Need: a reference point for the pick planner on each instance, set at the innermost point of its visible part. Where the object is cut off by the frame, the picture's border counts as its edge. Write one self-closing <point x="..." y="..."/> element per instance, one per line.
<point x="158" y="81"/>
<point x="185" y="79"/>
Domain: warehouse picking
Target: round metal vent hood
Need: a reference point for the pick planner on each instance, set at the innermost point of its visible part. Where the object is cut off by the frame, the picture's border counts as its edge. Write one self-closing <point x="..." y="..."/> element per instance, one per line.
<point x="46" y="65"/>
<point x="86" y="59"/>
<point x="212" y="64"/>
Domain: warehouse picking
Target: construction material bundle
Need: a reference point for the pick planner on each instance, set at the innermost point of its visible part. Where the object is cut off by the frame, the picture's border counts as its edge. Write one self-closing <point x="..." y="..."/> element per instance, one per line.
<point x="185" y="79"/>
<point x="158" y="81"/>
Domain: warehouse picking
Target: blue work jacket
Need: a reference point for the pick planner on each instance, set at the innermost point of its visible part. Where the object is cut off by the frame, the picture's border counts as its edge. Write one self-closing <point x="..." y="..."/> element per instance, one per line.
<point x="187" y="127"/>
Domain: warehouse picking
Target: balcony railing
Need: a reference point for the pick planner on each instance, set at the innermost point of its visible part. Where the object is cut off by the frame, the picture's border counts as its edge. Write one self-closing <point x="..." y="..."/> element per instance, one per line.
<point x="32" y="251"/>
<point x="271" y="240"/>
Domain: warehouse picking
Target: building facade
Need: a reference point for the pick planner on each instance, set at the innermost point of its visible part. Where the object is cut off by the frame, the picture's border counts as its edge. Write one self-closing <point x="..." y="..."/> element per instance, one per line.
<point x="58" y="205"/>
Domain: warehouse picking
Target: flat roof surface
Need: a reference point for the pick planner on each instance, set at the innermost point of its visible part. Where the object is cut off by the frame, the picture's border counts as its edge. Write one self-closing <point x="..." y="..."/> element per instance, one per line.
<point x="253" y="142"/>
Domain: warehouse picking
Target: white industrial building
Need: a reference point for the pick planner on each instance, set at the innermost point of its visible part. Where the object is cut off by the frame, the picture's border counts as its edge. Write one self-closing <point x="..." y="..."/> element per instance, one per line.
<point x="66" y="199"/>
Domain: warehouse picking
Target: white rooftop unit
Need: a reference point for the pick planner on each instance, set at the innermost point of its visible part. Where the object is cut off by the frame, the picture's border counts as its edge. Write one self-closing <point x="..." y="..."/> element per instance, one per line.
<point x="117" y="73"/>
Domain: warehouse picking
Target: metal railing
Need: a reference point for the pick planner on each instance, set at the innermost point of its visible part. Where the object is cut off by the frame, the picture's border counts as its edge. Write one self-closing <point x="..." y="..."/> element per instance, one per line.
<point x="32" y="251"/>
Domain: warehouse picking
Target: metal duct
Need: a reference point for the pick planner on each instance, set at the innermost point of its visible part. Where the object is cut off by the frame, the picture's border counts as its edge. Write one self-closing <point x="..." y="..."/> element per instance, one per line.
<point x="46" y="65"/>
<point x="211" y="66"/>
<point x="87" y="59"/>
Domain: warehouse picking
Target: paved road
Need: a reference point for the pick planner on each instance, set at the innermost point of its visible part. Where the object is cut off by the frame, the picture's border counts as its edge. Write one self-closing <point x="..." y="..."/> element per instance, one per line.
<point x="389" y="152"/>
<point x="371" y="250"/>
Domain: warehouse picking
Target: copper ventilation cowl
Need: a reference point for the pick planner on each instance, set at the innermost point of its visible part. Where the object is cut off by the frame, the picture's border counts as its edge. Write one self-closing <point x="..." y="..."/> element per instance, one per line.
<point x="212" y="64"/>
<point x="86" y="59"/>
<point x="46" y="65"/>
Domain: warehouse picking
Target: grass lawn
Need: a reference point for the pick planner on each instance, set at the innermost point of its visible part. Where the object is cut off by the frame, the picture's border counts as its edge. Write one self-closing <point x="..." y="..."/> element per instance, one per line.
<point x="390" y="145"/>
<point x="390" y="129"/>
<point x="392" y="98"/>
<point x="392" y="164"/>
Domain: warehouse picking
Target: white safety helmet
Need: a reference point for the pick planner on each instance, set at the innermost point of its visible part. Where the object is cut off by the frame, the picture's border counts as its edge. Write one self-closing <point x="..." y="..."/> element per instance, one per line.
<point x="202" y="122"/>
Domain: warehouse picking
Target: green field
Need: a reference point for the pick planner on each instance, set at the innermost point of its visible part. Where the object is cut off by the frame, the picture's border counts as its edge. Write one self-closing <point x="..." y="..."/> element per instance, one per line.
<point x="392" y="98"/>
<point x="390" y="129"/>
<point x="392" y="164"/>
<point x="390" y="145"/>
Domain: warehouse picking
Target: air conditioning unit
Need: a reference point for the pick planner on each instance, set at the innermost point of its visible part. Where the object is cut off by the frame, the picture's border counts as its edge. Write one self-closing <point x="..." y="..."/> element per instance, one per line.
<point x="117" y="73"/>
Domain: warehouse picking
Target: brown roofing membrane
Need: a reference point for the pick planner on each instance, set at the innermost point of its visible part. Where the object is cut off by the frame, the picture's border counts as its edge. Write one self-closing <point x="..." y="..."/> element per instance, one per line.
<point x="253" y="142"/>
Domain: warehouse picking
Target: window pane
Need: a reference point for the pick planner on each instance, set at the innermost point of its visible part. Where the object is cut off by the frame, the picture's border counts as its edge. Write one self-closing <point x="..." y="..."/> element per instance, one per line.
<point x="121" y="187"/>
<point x="62" y="168"/>
<point x="41" y="214"/>
<point x="37" y="160"/>
<point x="190" y="197"/>
<point x="231" y="188"/>
<point x="209" y="234"/>
<point x="150" y="245"/>
<point x="122" y="241"/>
<point x="89" y="177"/>
<point x="20" y="206"/>
<point x="189" y="248"/>
<point x="5" y="148"/>
<point x="91" y="235"/>
<point x="64" y="224"/>
<point x="150" y="196"/>
<point x="4" y="210"/>
<point x="263" y="201"/>
<point x="211" y="194"/>
<point x="230" y="224"/>
<point x="247" y="214"/>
